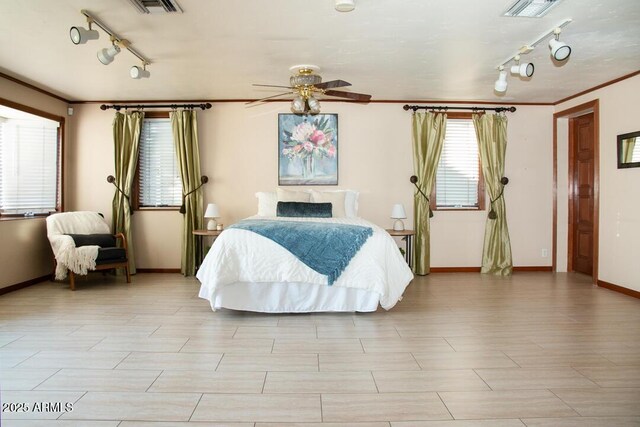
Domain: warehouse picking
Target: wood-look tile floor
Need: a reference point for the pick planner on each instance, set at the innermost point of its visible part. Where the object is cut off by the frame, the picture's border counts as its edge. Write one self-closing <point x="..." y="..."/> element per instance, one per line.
<point x="459" y="350"/>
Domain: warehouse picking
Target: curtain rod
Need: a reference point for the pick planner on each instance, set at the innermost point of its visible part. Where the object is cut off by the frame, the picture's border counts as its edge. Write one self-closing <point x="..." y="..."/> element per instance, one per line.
<point x="118" y="107"/>
<point x="446" y="107"/>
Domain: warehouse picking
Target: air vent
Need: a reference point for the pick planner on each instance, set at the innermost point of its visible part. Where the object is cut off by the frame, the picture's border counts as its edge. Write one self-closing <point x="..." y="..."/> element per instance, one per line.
<point x="156" y="6"/>
<point x="530" y="8"/>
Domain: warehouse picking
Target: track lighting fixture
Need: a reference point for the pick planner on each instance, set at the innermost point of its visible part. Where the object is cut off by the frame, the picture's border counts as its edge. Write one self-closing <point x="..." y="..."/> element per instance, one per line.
<point x="523" y="70"/>
<point x="80" y="35"/>
<point x="139" y="72"/>
<point x="501" y="84"/>
<point x="559" y="51"/>
<point x="107" y="54"/>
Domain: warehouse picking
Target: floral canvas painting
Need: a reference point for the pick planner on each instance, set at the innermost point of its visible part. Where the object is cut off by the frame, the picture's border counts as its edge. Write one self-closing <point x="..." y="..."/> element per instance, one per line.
<point x="308" y="149"/>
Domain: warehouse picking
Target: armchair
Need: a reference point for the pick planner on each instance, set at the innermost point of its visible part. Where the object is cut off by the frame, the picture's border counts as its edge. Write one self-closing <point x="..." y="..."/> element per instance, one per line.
<point x="81" y="242"/>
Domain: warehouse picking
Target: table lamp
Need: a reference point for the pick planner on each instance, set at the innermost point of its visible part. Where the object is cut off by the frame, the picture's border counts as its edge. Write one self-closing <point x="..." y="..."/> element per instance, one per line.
<point x="212" y="213"/>
<point x="398" y="214"/>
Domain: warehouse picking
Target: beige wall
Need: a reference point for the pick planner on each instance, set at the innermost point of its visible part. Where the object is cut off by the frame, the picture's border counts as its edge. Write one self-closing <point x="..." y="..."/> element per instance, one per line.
<point x="619" y="188"/>
<point x="238" y="153"/>
<point x="24" y="249"/>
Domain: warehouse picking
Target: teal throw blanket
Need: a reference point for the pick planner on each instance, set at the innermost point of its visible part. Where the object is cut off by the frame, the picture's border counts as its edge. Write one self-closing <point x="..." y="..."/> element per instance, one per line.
<point x="326" y="248"/>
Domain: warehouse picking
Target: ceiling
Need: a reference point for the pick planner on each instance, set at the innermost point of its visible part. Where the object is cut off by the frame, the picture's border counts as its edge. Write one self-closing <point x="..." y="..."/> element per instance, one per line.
<point x="393" y="50"/>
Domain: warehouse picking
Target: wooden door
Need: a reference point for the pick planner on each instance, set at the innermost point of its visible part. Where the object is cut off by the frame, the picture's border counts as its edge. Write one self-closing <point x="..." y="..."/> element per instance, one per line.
<point x="582" y="181"/>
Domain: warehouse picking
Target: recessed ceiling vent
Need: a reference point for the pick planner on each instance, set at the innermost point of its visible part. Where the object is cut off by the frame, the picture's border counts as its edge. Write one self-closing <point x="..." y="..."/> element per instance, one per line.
<point x="156" y="6"/>
<point x="530" y="8"/>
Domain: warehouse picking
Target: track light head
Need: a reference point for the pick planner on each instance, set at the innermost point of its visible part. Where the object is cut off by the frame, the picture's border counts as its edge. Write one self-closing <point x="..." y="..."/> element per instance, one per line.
<point x="560" y="51"/>
<point x="523" y="70"/>
<point x="81" y="35"/>
<point x="139" y="72"/>
<point x="107" y="54"/>
<point x="501" y="84"/>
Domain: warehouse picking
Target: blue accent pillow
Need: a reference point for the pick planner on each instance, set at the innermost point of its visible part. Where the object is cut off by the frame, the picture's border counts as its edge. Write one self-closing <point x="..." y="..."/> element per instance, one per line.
<point x="306" y="210"/>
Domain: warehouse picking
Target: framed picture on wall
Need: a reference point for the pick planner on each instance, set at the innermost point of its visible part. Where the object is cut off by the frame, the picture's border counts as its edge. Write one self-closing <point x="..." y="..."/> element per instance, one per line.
<point x="307" y="149"/>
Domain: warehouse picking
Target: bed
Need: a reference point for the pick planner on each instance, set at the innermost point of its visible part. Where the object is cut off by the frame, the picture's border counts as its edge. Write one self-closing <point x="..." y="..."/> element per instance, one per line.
<point x="246" y="271"/>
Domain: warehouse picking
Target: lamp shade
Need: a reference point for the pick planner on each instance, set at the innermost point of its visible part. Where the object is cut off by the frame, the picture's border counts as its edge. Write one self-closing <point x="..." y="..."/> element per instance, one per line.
<point x="297" y="105"/>
<point x="314" y="105"/>
<point x="212" y="211"/>
<point x="398" y="212"/>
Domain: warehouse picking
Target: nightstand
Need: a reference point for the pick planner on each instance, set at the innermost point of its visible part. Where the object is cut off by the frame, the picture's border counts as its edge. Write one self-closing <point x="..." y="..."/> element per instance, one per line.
<point x="407" y="236"/>
<point x="201" y="233"/>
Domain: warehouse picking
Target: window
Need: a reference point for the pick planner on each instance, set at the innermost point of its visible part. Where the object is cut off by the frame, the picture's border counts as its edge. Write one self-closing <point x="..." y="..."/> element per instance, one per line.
<point x="159" y="182"/>
<point x="635" y="155"/>
<point x="459" y="183"/>
<point x="30" y="161"/>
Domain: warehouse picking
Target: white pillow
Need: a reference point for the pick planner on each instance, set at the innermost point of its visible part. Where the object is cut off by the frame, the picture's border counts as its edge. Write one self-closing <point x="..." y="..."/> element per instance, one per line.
<point x="293" y="196"/>
<point x="336" y="198"/>
<point x="267" y="203"/>
<point x="350" y="201"/>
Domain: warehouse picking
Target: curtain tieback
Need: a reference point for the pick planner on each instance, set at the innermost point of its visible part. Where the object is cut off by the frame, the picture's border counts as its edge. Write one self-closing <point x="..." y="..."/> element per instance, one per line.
<point x="112" y="180"/>
<point x="503" y="181"/>
<point x="414" y="181"/>
<point x="203" y="180"/>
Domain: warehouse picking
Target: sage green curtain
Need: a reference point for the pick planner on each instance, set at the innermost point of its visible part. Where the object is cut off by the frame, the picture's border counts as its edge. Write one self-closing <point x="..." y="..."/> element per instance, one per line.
<point x="185" y="137"/>
<point x="627" y="150"/>
<point x="428" y="138"/>
<point x="491" y="130"/>
<point x="126" y="137"/>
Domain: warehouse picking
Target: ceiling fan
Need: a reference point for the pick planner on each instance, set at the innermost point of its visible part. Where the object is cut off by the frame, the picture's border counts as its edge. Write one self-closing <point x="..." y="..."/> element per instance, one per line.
<point x="306" y="85"/>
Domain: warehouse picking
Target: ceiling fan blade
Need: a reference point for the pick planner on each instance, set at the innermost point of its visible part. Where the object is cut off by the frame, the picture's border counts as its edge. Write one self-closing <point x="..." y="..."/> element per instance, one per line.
<point x="285" y="87"/>
<point x="268" y="97"/>
<point x="360" y="97"/>
<point x="332" y="83"/>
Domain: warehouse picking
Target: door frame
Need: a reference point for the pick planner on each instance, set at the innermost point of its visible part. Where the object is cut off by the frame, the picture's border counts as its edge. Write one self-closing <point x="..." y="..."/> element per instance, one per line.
<point x="579" y="110"/>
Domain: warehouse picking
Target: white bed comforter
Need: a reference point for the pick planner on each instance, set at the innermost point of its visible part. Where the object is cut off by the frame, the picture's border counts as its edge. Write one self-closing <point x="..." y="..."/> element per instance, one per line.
<point x="243" y="256"/>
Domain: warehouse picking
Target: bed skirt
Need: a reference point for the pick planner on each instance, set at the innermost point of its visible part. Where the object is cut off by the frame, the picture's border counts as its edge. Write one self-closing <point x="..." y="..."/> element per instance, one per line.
<point x="293" y="298"/>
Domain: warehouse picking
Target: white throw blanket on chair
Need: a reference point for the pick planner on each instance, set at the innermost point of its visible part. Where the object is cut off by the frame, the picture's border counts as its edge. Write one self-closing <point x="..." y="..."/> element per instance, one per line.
<point x="79" y="260"/>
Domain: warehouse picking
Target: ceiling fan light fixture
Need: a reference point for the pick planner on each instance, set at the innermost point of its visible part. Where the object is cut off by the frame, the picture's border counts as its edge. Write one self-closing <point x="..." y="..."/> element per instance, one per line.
<point x="345" y="5"/>
<point x="297" y="105"/>
<point x="305" y="80"/>
<point x="107" y="54"/>
<point x="314" y="105"/>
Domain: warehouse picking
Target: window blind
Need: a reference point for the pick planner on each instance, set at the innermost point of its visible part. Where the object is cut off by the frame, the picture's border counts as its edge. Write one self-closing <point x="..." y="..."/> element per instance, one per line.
<point x="159" y="180"/>
<point x="458" y="170"/>
<point x="635" y="155"/>
<point x="28" y="166"/>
